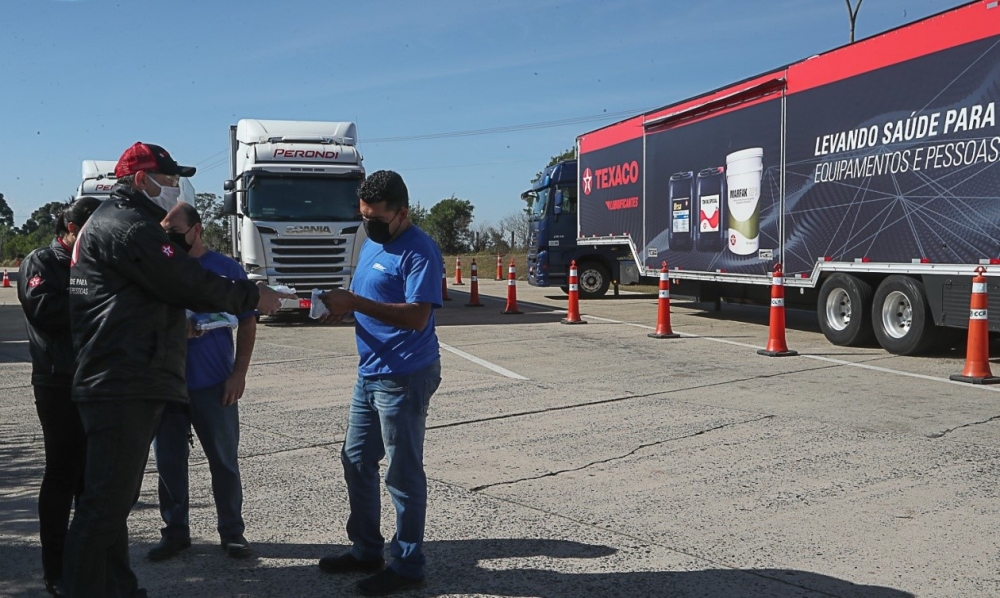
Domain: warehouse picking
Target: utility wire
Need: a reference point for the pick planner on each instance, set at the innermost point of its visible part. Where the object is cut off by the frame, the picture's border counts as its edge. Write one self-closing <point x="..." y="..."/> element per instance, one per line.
<point x="508" y="129"/>
<point x="472" y="132"/>
<point x="200" y="162"/>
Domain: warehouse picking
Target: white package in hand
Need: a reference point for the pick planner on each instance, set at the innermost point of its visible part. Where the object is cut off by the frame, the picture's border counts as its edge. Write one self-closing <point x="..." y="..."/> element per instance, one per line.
<point x="281" y="288"/>
<point x="317" y="309"/>
<point x="205" y="322"/>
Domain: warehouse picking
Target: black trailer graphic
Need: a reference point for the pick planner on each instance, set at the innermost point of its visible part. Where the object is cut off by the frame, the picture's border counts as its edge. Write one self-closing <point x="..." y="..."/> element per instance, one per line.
<point x="869" y="172"/>
<point x="896" y="164"/>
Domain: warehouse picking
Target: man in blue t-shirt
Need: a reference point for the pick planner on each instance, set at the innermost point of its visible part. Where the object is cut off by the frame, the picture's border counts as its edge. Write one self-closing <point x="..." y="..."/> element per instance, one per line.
<point x="394" y="291"/>
<point x="216" y="378"/>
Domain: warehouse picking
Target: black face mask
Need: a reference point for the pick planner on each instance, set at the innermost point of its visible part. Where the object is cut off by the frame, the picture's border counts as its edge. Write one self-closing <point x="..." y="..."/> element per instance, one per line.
<point x="379" y="231"/>
<point x="180" y="240"/>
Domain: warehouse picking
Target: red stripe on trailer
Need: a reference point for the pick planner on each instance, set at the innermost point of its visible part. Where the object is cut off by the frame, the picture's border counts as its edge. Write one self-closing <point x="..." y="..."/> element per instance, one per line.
<point x="962" y="25"/>
<point x="965" y="24"/>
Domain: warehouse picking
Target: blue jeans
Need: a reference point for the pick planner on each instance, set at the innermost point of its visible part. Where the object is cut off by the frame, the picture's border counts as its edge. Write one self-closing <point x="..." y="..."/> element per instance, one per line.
<point x="218" y="430"/>
<point x="387" y="418"/>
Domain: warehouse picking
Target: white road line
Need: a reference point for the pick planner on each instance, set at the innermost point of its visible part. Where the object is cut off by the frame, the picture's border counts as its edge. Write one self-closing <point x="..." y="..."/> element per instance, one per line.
<point x="482" y="362"/>
<point x="852" y="364"/>
<point x="13" y="342"/>
<point x="876" y="368"/>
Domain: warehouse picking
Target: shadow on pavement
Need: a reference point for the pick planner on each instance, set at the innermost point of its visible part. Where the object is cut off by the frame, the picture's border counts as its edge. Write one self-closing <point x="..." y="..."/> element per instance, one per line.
<point x="455" y="567"/>
<point x="462" y="567"/>
<point x="23" y="464"/>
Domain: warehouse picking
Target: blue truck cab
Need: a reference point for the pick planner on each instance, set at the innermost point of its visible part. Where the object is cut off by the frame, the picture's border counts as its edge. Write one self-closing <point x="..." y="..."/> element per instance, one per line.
<point x="552" y="241"/>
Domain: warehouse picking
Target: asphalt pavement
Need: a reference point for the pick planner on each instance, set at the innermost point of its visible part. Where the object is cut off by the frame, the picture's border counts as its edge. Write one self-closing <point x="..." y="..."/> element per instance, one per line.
<point x="588" y="461"/>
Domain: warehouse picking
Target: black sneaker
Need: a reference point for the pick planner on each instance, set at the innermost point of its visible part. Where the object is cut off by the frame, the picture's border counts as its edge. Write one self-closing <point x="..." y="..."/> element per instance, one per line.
<point x="346" y="563"/>
<point x="236" y="546"/>
<point x="52" y="586"/>
<point x="167" y="548"/>
<point x="387" y="582"/>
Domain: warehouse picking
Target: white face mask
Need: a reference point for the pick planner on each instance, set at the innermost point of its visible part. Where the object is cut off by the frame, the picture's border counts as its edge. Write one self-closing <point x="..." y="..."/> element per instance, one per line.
<point x="167" y="197"/>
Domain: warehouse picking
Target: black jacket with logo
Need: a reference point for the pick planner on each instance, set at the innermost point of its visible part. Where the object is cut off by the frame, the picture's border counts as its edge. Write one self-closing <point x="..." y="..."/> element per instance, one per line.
<point x="43" y="290"/>
<point x="129" y="286"/>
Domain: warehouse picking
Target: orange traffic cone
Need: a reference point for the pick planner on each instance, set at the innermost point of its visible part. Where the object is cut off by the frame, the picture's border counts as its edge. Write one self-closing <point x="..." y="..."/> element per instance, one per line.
<point x="663" y="329"/>
<point x="444" y="281"/>
<point x="977" y="352"/>
<point x="511" y="291"/>
<point x="474" y="288"/>
<point x="458" y="271"/>
<point x="776" y="346"/>
<point x="499" y="268"/>
<point x="573" y="313"/>
<point x="6" y="280"/>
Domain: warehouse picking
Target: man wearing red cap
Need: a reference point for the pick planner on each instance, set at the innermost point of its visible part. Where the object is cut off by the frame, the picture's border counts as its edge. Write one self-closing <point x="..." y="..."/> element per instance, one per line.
<point x="129" y="286"/>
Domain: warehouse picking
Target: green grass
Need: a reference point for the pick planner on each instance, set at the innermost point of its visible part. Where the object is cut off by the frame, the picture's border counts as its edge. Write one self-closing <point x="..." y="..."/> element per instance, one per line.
<point x="487" y="267"/>
<point x="486" y="264"/>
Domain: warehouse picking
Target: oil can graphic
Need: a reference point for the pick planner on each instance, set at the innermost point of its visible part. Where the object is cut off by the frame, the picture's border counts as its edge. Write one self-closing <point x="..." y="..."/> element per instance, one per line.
<point x="743" y="174"/>
<point x="680" y="236"/>
<point x="711" y="195"/>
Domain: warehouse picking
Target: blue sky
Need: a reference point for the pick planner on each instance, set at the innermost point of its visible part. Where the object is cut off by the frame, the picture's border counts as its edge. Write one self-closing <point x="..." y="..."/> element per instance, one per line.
<point x="84" y="79"/>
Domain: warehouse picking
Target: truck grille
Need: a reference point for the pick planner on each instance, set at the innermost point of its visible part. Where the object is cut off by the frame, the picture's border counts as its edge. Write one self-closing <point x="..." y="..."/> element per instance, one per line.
<point x="310" y="263"/>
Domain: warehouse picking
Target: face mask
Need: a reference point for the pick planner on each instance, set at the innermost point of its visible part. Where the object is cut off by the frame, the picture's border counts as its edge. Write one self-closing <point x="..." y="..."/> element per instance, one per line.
<point x="379" y="231"/>
<point x="180" y="240"/>
<point x="167" y="197"/>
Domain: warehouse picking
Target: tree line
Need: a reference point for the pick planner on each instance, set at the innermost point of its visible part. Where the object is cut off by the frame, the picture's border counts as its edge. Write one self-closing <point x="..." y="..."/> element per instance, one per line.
<point x="450" y="222"/>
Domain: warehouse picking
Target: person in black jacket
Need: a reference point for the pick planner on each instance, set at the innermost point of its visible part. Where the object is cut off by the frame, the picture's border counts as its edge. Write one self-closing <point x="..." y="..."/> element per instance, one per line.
<point x="43" y="290"/>
<point x="129" y="286"/>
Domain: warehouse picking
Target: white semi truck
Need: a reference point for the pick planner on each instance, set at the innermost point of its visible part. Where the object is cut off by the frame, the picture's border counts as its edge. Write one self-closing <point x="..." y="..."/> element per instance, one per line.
<point x="99" y="179"/>
<point x="292" y="199"/>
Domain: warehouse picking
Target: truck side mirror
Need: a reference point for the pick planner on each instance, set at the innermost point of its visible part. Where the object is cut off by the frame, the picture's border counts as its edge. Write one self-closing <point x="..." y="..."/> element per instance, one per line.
<point x="557" y="206"/>
<point x="229" y="203"/>
<point x="229" y="185"/>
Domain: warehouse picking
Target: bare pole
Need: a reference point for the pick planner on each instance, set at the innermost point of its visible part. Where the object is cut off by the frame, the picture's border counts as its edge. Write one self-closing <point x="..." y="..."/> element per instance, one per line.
<point x="852" y="14"/>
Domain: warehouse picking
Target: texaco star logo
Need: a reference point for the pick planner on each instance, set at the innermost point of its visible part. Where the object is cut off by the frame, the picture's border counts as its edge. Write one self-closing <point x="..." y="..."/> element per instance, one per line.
<point x="167" y="250"/>
<point x="587" y="181"/>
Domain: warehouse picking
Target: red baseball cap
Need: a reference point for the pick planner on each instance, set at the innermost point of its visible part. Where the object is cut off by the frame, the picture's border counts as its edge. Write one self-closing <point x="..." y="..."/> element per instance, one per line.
<point x="150" y="158"/>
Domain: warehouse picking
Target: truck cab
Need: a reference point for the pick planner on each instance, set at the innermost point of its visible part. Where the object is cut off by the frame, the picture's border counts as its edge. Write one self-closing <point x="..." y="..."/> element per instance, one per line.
<point x="552" y="240"/>
<point x="293" y="203"/>
<point x="551" y="207"/>
<point x="99" y="179"/>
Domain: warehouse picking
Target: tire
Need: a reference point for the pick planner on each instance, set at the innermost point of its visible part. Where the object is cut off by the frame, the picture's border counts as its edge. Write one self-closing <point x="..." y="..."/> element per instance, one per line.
<point x="844" y="310"/>
<point x="902" y="319"/>
<point x="594" y="280"/>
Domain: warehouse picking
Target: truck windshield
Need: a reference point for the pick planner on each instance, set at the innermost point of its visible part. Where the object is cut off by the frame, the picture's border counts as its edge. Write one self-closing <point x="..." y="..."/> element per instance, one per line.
<point x="538" y="201"/>
<point x="303" y="198"/>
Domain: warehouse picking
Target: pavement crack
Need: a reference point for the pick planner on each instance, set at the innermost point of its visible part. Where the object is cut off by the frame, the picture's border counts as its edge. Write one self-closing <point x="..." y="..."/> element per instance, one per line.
<point x="310" y="358"/>
<point x="620" y="457"/>
<point x="479" y="420"/>
<point x="627" y="397"/>
<point x="644" y="541"/>
<point x="947" y="431"/>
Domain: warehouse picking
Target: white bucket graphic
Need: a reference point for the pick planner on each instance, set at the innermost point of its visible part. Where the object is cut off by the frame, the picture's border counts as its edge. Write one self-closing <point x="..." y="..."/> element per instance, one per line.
<point x="743" y="173"/>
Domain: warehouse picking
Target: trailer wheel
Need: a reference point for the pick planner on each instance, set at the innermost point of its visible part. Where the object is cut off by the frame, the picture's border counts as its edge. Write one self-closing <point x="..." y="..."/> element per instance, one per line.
<point x="903" y="323"/>
<point x="844" y="309"/>
<point x="594" y="280"/>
